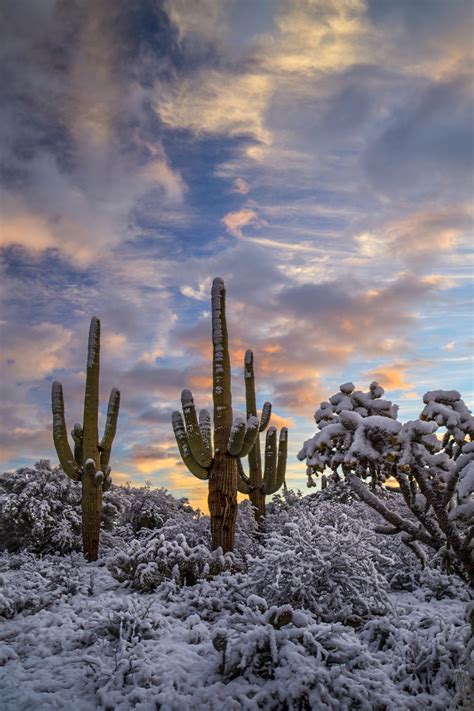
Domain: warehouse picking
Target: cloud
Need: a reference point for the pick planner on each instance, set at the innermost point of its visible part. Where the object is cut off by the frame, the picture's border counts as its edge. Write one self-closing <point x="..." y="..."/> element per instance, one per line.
<point x="432" y="136"/>
<point x="217" y="103"/>
<point x="391" y="376"/>
<point x="241" y="186"/>
<point x="235" y="221"/>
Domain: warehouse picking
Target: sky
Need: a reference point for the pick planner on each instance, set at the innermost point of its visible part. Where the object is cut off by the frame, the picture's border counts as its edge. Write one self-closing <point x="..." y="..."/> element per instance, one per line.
<point x="315" y="154"/>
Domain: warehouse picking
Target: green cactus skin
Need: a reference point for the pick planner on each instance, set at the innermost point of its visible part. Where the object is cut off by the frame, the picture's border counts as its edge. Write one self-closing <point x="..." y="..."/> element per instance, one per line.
<point x="231" y="440"/>
<point x="89" y="463"/>
<point x="260" y="483"/>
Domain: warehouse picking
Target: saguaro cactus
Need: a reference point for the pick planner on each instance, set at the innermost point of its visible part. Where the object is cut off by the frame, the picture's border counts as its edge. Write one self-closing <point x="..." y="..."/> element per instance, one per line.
<point x="260" y="483"/>
<point x="90" y="462"/>
<point x="231" y="439"/>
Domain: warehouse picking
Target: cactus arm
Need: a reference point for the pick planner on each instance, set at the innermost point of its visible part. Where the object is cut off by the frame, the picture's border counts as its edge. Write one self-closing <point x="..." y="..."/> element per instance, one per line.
<point x="251" y="435"/>
<point x="243" y="481"/>
<point x="91" y="398"/>
<point x="205" y="427"/>
<point x="281" y="465"/>
<point x="111" y="421"/>
<point x="184" y="448"/>
<point x="105" y="445"/>
<point x="199" y="449"/>
<point x="270" y="471"/>
<point x="249" y="378"/>
<point x="76" y="434"/>
<point x="243" y="436"/>
<point x="236" y="437"/>
<point x="265" y="416"/>
<point x="65" y="455"/>
<point x="90" y="470"/>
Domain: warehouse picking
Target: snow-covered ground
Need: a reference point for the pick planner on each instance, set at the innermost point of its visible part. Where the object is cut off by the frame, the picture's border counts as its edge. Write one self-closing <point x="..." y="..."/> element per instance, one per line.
<point x="322" y="613"/>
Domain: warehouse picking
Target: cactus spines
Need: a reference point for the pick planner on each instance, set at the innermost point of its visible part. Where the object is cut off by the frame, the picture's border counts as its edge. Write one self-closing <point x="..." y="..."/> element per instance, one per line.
<point x="231" y="440"/>
<point x="89" y="463"/>
<point x="261" y="482"/>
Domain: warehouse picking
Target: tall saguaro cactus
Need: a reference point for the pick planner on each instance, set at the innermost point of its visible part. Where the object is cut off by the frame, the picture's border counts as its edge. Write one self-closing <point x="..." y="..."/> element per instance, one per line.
<point x="231" y="439"/>
<point x="90" y="462"/>
<point x="261" y="482"/>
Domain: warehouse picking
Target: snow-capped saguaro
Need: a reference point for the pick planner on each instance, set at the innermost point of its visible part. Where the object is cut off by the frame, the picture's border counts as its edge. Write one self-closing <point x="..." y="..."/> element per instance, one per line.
<point x="261" y="482"/>
<point x="231" y="440"/>
<point x="90" y="462"/>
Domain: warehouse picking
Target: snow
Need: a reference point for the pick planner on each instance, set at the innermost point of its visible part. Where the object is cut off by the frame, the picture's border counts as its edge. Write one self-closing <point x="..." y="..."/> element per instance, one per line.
<point x="321" y="612"/>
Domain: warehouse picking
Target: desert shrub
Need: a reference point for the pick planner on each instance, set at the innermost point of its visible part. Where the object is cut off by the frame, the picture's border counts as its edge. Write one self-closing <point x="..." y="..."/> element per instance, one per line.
<point x="39" y="510"/>
<point x="322" y="560"/>
<point x="150" y="559"/>
<point x="144" y="507"/>
<point x="290" y="661"/>
<point x="29" y="583"/>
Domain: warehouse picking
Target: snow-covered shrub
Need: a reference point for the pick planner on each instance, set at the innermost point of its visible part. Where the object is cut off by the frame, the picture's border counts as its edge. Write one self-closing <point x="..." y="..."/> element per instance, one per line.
<point x="29" y="583"/>
<point x="144" y="507"/>
<point x="39" y="510"/>
<point x="147" y="561"/>
<point x="330" y="567"/>
<point x="429" y="649"/>
<point x="435" y="477"/>
<point x="290" y="661"/>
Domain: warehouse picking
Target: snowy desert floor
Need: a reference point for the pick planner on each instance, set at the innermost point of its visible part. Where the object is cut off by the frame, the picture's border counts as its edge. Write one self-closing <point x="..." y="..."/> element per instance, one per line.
<point x="321" y="613"/>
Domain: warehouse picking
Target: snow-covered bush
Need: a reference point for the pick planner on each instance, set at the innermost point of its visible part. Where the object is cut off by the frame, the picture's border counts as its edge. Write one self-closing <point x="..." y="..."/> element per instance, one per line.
<point x="323" y="560"/>
<point x="147" y="561"/>
<point x="302" y="664"/>
<point x="39" y="510"/>
<point x="144" y="507"/>
<point x="435" y="477"/>
<point x="29" y="583"/>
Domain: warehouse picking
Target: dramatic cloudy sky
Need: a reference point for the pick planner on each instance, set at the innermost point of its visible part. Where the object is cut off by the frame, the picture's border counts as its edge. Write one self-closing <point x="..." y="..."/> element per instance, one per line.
<point x="316" y="154"/>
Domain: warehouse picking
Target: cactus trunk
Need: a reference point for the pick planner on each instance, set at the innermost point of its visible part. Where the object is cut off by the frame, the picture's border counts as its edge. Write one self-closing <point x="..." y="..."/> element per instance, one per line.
<point x="223" y="474"/>
<point x="91" y="494"/>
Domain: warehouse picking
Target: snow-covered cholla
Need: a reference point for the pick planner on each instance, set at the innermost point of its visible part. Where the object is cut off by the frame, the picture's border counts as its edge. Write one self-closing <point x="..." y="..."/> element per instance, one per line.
<point x="360" y="438"/>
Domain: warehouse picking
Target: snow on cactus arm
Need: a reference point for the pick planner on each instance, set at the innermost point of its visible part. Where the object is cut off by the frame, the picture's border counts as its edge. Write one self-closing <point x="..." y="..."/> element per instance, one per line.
<point x="251" y="434"/>
<point x="65" y="455"/>
<point x="110" y="430"/>
<point x="236" y="437"/>
<point x="270" y="460"/>
<point x="199" y="447"/>
<point x="184" y="448"/>
<point x="281" y="463"/>
<point x="265" y="416"/>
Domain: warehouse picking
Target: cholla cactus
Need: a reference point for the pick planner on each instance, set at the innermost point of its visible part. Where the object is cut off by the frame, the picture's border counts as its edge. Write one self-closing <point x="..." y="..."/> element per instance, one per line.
<point x="90" y="462"/>
<point x="446" y="408"/>
<point x="231" y="440"/>
<point x="260" y="483"/>
<point x="330" y="447"/>
<point x="436" y="477"/>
